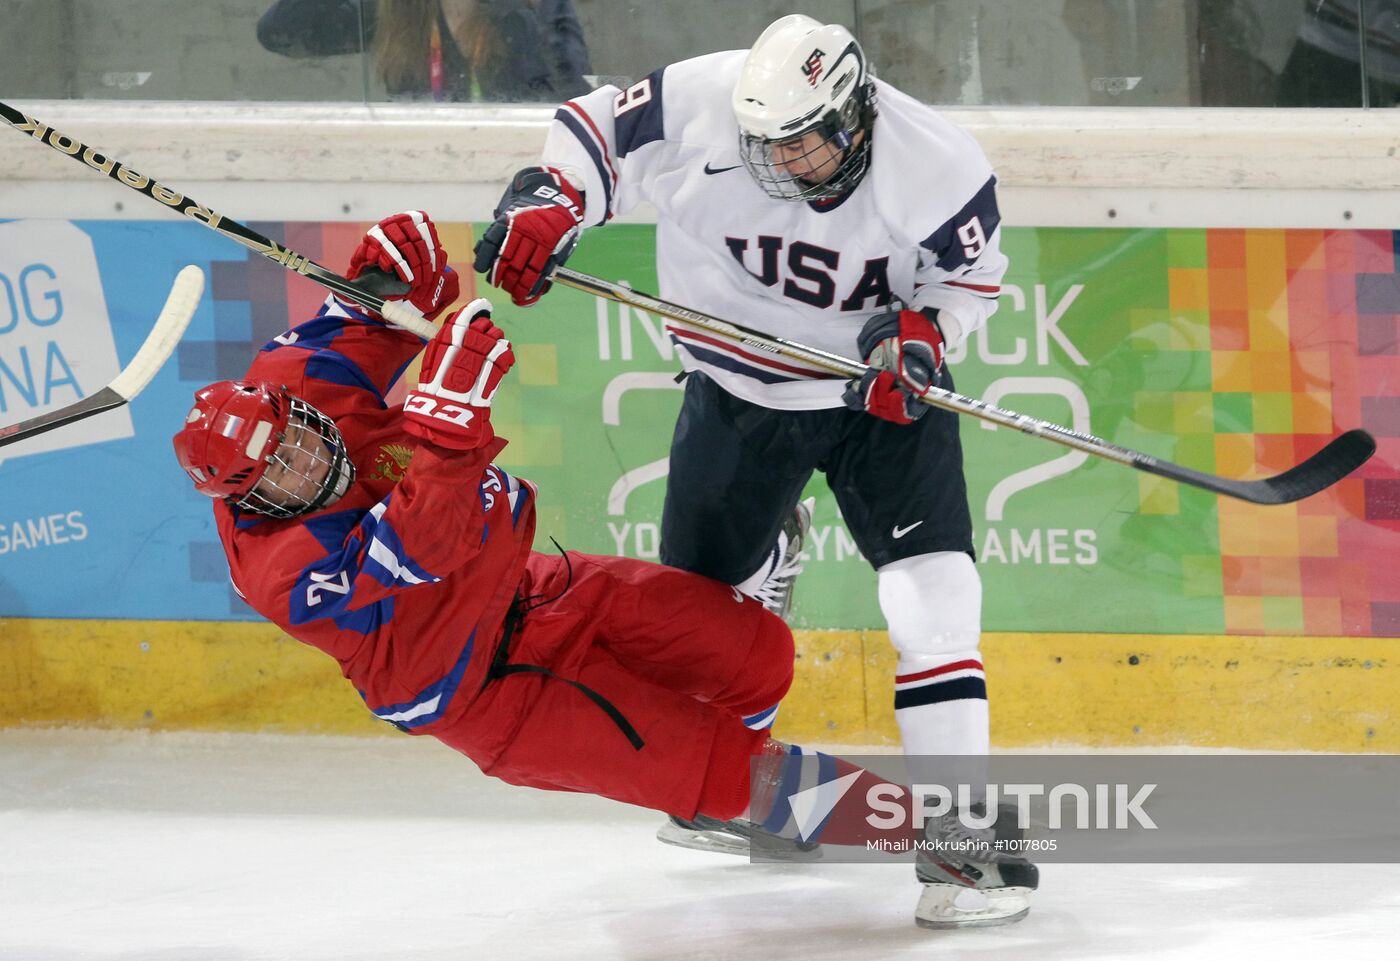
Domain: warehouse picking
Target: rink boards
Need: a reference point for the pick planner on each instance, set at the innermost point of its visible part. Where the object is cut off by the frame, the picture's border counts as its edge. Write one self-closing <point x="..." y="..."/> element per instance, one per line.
<point x="1100" y="690"/>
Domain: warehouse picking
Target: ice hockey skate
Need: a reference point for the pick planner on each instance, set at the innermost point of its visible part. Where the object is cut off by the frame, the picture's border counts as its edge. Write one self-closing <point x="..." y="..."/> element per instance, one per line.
<point x="740" y="837"/>
<point x="776" y="591"/>
<point x="968" y="879"/>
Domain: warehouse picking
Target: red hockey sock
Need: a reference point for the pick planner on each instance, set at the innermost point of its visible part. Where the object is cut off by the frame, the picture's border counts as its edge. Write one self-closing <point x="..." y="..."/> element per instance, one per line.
<point x="786" y="771"/>
<point x="824" y="816"/>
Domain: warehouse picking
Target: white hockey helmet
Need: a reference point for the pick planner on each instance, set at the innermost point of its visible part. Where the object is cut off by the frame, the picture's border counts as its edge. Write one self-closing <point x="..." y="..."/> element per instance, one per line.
<point x="802" y="76"/>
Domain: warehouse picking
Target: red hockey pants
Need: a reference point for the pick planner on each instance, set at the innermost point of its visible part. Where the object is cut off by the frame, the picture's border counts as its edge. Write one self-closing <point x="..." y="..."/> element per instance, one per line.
<point x="649" y="670"/>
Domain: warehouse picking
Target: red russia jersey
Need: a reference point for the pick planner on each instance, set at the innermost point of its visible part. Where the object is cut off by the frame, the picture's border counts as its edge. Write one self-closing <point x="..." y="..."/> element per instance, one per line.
<point x="410" y="572"/>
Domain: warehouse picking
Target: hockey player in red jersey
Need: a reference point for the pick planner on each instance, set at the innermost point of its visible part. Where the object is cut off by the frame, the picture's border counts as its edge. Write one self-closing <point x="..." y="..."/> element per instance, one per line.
<point x="387" y="538"/>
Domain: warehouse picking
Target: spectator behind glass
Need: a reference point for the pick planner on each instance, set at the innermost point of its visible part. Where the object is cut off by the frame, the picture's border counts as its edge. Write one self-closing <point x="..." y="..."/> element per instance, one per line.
<point x="1324" y="69"/>
<point x="499" y="50"/>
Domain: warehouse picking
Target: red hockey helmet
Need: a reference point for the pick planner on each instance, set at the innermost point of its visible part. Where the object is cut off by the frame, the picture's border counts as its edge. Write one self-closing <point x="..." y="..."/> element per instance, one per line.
<point x="263" y="449"/>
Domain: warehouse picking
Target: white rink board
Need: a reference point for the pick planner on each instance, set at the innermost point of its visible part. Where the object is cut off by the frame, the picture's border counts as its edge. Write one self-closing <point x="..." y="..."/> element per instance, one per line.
<point x="1082" y="167"/>
<point x="176" y="847"/>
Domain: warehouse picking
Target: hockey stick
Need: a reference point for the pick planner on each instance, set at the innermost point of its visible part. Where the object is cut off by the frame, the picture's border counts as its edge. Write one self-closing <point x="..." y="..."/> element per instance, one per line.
<point x="160" y="344"/>
<point x="1340" y="457"/>
<point x="369" y="292"/>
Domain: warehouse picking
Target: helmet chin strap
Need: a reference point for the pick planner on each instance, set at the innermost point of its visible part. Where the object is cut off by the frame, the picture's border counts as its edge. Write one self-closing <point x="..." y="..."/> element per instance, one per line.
<point x="342" y="475"/>
<point x="841" y="138"/>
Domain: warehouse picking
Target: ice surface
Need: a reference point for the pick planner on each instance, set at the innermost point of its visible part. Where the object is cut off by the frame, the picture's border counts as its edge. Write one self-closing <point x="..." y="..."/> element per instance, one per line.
<point x="184" y="847"/>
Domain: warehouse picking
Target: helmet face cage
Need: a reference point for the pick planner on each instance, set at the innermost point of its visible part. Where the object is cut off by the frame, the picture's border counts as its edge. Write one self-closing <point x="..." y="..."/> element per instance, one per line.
<point x="775" y="173"/>
<point x="255" y="446"/>
<point x="779" y="164"/>
<point x="308" y="469"/>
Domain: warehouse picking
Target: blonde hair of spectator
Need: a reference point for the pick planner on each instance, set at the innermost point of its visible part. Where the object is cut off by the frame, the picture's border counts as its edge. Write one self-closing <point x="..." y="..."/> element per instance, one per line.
<point x="403" y="38"/>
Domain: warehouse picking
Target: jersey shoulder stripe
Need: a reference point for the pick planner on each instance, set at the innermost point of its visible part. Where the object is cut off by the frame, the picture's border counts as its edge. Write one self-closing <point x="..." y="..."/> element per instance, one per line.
<point x="959" y="239"/>
<point x="318" y="336"/>
<point x="912" y="136"/>
<point x="640" y="114"/>
<point x="386" y="560"/>
<point x="330" y="529"/>
<point x="577" y="121"/>
<point x="333" y="367"/>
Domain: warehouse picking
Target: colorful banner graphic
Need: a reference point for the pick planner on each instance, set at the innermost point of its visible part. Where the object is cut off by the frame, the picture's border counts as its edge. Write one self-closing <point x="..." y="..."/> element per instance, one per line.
<point x="1231" y="351"/>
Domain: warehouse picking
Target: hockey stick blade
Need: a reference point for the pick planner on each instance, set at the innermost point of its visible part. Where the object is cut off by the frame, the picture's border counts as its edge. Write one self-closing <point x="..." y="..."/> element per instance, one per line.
<point x="1339" y="458"/>
<point x="160" y="343"/>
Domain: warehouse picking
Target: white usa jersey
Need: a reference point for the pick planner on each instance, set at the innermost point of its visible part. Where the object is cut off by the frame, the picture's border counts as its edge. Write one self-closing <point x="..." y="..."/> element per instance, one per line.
<point x="921" y="228"/>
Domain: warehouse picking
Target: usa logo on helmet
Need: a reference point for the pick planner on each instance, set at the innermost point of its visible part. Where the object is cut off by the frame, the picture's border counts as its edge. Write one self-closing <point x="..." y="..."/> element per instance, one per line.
<point x="812" y="69"/>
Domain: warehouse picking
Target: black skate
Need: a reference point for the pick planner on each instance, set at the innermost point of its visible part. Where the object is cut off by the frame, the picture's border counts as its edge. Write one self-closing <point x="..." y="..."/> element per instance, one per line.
<point x="739" y="837"/>
<point x="970" y="876"/>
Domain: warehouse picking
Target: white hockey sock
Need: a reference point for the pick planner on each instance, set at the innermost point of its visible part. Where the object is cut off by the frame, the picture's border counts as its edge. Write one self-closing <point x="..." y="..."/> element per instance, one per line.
<point x="948" y="724"/>
<point x="941" y="704"/>
<point x="933" y="605"/>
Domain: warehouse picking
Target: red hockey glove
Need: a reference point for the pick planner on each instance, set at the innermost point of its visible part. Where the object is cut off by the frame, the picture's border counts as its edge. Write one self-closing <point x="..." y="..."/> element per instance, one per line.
<point x="878" y="392"/>
<point x="462" y="367"/>
<point x="536" y="228"/>
<point x="406" y="246"/>
<point x="908" y="343"/>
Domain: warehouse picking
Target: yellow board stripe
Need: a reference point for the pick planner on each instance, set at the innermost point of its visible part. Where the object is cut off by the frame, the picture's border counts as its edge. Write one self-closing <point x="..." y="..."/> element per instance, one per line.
<point x="1097" y="690"/>
<point x="1123" y="691"/>
<point x="172" y="675"/>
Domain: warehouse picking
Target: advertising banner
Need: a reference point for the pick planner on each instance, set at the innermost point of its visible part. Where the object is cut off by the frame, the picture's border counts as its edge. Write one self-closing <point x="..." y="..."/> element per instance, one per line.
<point x="1236" y="352"/>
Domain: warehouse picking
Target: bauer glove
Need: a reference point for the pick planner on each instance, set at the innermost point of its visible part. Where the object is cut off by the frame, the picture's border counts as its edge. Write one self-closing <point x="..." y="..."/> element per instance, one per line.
<point x="904" y="349"/>
<point x="877" y="392"/>
<point x="536" y="227"/>
<point x="907" y="343"/>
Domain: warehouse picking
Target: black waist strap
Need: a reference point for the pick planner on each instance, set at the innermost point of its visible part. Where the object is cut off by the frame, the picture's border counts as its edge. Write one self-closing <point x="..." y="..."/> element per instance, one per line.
<point x="501" y="667"/>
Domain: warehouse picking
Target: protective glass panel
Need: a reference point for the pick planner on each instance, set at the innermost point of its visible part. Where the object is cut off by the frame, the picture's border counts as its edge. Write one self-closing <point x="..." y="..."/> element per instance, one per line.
<point x="173" y="50"/>
<point x="951" y="52"/>
<point x="1141" y="53"/>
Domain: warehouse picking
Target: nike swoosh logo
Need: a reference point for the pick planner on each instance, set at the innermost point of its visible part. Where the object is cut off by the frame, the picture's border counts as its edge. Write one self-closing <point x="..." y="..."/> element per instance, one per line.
<point x="720" y="170"/>
<point x="738" y="595"/>
<point x="899" y="532"/>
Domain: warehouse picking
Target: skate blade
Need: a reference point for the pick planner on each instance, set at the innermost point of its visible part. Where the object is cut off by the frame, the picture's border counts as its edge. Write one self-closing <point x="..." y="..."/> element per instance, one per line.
<point x="722" y="842"/>
<point x="943" y="906"/>
<point x="714" y="842"/>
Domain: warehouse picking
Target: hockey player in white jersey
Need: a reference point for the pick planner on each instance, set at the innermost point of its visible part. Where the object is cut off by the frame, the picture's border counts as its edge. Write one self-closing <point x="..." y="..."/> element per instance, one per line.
<point x="799" y="195"/>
